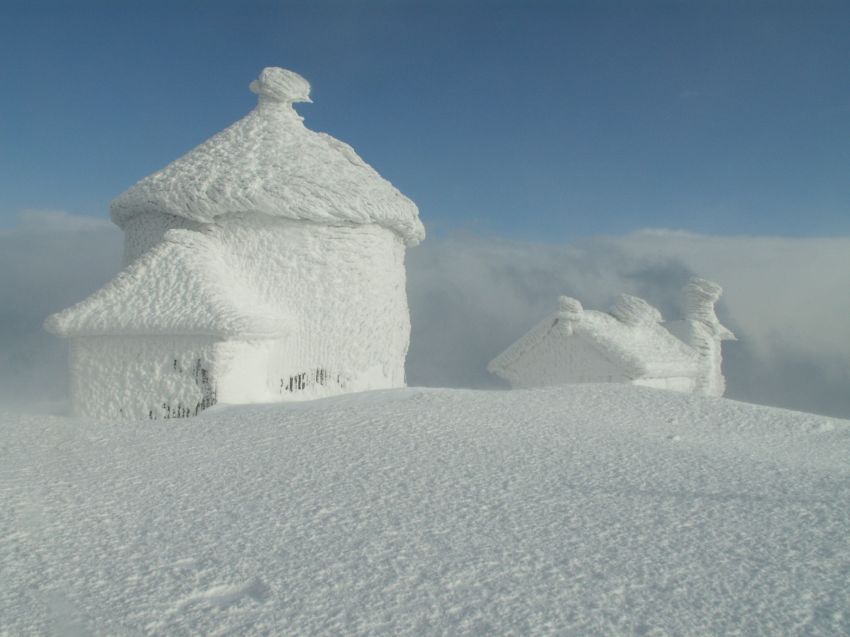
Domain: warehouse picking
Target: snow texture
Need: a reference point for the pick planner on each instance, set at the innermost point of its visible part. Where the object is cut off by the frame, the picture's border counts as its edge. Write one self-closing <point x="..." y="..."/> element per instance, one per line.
<point x="248" y="309"/>
<point x="266" y="265"/>
<point x="579" y="510"/>
<point x="577" y="345"/>
<point x="270" y="163"/>
<point x="629" y="345"/>
<point x="185" y="285"/>
<point x="702" y="330"/>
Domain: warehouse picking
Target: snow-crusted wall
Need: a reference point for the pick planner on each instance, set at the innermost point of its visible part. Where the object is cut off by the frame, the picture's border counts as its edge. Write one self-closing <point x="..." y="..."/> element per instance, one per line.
<point x="158" y="377"/>
<point x="141" y="376"/>
<point x="287" y="270"/>
<point x="345" y="288"/>
<point x="144" y="231"/>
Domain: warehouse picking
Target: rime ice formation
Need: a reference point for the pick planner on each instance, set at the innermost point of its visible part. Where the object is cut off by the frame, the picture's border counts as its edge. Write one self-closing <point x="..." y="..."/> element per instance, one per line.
<point x="629" y="345"/>
<point x="266" y="264"/>
<point x="702" y="330"/>
<point x="268" y="162"/>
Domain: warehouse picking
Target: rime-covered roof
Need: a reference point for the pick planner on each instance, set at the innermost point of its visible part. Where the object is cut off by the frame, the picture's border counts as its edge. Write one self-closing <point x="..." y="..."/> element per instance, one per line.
<point x="632" y="339"/>
<point x="183" y="286"/>
<point x="269" y="162"/>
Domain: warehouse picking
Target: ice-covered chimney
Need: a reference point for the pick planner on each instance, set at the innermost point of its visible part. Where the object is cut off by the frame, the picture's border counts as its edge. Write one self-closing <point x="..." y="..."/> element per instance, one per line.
<point x="569" y="309"/>
<point x="277" y="87"/>
<point x="698" y="299"/>
<point x="705" y="333"/>
<point x="570" y="312"/>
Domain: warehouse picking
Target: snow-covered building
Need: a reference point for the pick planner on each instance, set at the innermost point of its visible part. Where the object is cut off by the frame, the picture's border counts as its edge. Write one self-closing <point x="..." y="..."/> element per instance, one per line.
<point x="629" y="345"/>
<point x="266" y="264"/>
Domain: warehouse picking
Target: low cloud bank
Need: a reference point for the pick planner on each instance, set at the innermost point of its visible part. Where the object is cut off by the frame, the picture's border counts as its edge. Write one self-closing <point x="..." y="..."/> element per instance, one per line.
<point x="786" y="299"/>
<point x="48" y="261"/>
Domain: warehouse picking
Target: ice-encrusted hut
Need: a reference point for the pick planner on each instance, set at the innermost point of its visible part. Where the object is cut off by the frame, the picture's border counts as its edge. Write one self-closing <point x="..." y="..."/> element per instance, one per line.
<point x="629" y="345"/>
<point x="266" y="264"/>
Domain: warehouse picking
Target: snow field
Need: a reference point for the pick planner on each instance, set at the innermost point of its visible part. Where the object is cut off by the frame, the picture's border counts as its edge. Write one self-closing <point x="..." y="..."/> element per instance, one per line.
<point x="584" y="510"/>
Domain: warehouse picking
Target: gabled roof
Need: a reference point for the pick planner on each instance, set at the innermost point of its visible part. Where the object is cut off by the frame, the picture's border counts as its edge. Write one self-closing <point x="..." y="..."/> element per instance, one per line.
<point x="641" y="346"/>
<point x="269" y="162"/>
<point x="183" y="286"/>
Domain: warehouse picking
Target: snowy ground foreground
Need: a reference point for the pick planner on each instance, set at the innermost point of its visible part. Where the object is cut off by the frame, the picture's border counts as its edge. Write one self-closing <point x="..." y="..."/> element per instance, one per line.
<point x="594" y="509"/>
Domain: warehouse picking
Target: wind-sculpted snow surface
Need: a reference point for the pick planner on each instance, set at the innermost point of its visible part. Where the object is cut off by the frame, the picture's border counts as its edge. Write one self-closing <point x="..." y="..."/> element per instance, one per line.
<point x="585" y="510"/>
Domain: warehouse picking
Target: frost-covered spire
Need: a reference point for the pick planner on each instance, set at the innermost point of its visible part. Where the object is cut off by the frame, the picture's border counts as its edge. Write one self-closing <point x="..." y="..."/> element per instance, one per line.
<point x="281" y="85"/>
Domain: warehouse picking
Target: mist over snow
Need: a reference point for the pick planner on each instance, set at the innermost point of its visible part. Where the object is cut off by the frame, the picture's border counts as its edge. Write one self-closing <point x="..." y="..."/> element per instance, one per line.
<point x="48" y="261"/>
<point x="785" y="298"/>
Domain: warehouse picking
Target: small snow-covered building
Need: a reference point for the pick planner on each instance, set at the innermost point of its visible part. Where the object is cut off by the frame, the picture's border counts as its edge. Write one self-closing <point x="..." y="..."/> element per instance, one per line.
<point x="266" y="264"/>
<point x="630" y="344"/>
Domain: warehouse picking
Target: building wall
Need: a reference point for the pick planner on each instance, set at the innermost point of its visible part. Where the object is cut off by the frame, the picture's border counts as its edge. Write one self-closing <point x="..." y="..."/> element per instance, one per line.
<point x="141" y="376"/>
<point x="344" y="286"/>
<point x="143" y="232"/>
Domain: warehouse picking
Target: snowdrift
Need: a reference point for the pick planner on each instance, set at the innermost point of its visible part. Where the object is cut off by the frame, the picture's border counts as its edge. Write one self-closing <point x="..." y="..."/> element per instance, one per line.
<point x="588" y="510"/>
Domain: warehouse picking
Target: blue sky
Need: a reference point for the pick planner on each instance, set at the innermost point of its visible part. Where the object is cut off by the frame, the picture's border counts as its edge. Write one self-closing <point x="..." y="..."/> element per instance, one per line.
<point x="531" y="120"/>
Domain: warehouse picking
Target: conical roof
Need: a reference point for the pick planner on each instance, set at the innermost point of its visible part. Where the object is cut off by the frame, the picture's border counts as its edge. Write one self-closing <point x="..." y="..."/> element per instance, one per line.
<point x="269" y="162"/>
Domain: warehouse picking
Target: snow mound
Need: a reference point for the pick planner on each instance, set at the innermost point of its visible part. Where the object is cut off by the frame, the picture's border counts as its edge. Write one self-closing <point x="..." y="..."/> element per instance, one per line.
<point x="583" y="510"/>
<point x="270" y="163"/>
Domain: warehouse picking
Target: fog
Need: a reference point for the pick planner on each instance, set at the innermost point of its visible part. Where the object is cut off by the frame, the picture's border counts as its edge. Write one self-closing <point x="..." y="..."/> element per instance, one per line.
<point x="788" y="301"/>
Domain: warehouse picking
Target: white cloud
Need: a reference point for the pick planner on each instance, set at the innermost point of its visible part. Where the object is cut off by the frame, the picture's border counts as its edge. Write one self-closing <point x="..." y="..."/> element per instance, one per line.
<point x="38" y="222"/>
<point x="787" y="299"/>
